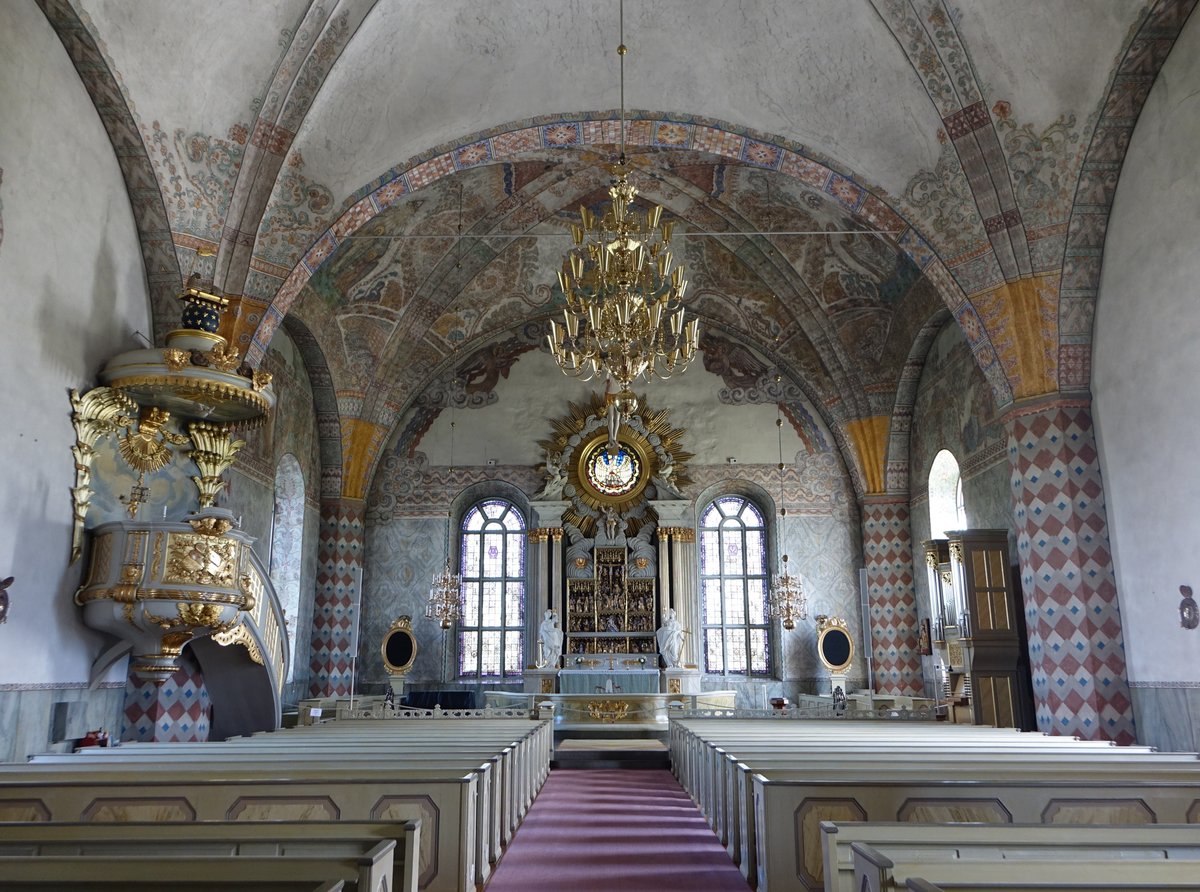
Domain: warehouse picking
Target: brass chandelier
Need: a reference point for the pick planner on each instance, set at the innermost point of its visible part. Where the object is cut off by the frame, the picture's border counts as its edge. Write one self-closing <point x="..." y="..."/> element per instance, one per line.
<point x="624" y="316"/>
<point x="785" y="600"/>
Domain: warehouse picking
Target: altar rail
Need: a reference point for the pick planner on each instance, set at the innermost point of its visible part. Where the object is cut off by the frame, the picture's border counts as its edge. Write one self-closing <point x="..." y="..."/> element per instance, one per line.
<point x="822" y="712"/>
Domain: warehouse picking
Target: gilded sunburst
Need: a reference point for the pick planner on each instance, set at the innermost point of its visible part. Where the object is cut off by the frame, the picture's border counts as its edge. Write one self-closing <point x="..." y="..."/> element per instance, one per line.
<point x="650" y="455"/>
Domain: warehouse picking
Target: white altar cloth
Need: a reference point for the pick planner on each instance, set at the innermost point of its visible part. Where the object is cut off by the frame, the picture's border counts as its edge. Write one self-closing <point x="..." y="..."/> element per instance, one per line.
<point x="617" y="681"/>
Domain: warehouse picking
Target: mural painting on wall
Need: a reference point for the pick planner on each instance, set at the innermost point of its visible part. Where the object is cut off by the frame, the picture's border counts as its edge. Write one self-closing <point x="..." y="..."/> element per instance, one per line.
<point x="957" y="406"/>
<point x="749" y="379"/>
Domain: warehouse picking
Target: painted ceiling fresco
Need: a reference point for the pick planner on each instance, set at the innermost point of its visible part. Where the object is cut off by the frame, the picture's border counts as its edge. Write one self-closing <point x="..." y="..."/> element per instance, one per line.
<point x="929" y="157"/>
<point x="831" y="304"/>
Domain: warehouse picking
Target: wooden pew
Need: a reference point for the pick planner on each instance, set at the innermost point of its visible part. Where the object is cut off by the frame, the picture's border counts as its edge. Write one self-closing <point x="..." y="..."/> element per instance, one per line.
<point x="496" y="818"/>
<point x="445" y="805"/>
<point x="910" y="841"/>
<point x="787" y="850"/>
<point x="724" y="765"/>
<point x="272" y="838"/>
<point x="370" y="869"/>
<point x="434" y="750"/>
<point x="719" y="780"/>
<point x="876" y="872"/>
<point x="523" y="770"/>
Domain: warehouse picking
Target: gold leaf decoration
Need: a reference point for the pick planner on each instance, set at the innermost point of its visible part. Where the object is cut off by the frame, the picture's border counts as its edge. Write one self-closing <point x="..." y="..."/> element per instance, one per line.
<point x="638" y="432"/>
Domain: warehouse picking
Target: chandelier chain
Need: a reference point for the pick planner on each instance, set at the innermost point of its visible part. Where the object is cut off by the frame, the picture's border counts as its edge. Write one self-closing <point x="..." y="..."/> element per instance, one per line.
<point x="786" y="600"/>
<point x="445" y="594"/>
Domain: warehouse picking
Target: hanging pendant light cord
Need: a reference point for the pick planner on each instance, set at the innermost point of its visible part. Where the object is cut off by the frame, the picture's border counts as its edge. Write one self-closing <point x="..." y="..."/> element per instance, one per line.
<point x="621" y="51"/>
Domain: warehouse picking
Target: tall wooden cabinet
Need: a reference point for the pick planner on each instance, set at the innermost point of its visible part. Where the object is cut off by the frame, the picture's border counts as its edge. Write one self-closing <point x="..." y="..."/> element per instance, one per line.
<point x="977" y="629"/>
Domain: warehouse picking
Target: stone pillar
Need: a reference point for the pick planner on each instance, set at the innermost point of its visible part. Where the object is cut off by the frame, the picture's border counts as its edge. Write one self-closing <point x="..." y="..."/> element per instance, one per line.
<point x="539" y="562"/>
<point x="558" y="593"/>
<point x="683" y="590"/>
<point x="891" y="595"/>
<point x="336" y="605"/>
<point x="1076" y="646"/>
<point x="176" y="711"/>
<point x="664" y="572"/>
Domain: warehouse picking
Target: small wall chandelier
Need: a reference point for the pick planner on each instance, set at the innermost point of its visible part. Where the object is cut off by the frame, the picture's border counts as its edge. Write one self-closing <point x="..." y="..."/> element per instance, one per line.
<point x="445" y="594"/>
<point x="786" y="600"/>
<point x="624" y="317"/>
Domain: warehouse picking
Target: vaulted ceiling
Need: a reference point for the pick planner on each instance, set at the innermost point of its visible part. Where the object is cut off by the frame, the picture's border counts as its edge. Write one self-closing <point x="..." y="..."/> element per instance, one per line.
<point x="399" y="175"/>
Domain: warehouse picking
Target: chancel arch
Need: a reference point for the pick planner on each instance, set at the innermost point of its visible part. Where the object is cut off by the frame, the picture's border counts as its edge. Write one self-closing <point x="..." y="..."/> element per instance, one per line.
<point x="826" y="252"/>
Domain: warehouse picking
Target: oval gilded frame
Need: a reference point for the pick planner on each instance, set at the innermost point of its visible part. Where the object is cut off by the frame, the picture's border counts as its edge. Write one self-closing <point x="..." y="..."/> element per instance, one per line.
<point x="645" y="457"/>
<point x="828" y="626"/>
<point x="402" y="626"/>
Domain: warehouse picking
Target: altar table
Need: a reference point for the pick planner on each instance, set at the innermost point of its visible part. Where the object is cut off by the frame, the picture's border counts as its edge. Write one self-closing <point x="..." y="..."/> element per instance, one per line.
<point x="624" y="681"/>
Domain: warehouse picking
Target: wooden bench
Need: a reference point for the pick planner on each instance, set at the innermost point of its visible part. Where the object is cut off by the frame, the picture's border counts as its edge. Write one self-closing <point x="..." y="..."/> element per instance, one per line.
<point x="446" y="801"/>
<point x="788" y="812"/>
<point x="518" y="770"/>
<point x="876" y="872"/>
<point x="975" y="842"/>
<point x="446" y="751"/>
<point x="786" y="776"/>
<point x="370" y="869"/>
<point x="499" y="809"/>
<point x="244" y="838"/>
<point x="719" y="780"/>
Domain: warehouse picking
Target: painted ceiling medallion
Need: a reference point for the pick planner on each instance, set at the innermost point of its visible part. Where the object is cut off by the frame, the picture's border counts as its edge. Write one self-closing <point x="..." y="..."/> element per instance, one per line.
<point x="649" y="454"/>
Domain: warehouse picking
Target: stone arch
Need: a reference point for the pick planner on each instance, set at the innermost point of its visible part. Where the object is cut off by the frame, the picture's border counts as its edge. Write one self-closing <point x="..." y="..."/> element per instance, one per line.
<point x="898" y="467"/>
<point x="1087" y="229"/>
<point x="659" y="131"/>
<point x="325" y="405"/>
<point x="163" y="276"/>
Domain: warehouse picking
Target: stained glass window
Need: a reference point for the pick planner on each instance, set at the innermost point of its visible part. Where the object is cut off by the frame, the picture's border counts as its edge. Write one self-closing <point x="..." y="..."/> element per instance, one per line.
<point x="733" y="582"/>
<point x="491" y="636"/>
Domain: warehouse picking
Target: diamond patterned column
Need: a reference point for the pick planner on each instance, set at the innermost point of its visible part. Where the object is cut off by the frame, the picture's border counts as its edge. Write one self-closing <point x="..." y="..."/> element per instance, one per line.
<point x="336" y="604"/>
<point x="176" y="711"/>
<point x="891" y="596"/>
<point x="1076" y="647"/>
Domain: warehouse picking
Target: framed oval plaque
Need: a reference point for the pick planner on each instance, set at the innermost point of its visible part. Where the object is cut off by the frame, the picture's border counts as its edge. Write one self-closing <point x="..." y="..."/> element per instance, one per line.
<point x="835" y="647"/>
<point x="399" y="647"/>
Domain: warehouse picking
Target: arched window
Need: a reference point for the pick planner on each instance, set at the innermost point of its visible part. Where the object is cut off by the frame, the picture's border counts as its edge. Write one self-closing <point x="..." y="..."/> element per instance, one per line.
<point x="733" y="585"/>
<point x="946" y="509"/>
<point x="287" y="536"/>
<point x="491" y="636"/>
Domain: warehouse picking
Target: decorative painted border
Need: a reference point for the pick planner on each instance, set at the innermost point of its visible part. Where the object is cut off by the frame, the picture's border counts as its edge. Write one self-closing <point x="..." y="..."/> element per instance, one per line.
<point x="1173" y="685"/>
<point x="56" y="686"/>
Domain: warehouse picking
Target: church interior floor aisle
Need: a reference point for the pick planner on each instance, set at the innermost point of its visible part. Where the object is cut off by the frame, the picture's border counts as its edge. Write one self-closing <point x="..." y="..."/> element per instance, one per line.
<point x="615" y="831"/>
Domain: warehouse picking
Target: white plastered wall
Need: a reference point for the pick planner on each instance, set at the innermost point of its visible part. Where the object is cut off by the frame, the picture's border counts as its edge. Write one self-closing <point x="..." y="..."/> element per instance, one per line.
<point x="72" y="292"/>
<point x="1147" y="404"/>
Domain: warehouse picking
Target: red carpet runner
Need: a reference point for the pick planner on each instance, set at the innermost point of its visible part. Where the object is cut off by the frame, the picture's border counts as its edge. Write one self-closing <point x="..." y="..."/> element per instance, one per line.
<point x="615" y="831"/>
